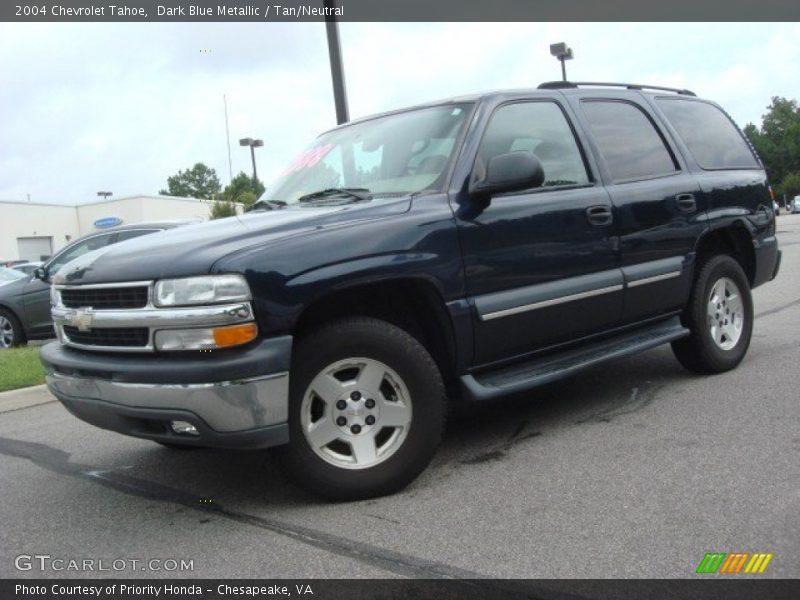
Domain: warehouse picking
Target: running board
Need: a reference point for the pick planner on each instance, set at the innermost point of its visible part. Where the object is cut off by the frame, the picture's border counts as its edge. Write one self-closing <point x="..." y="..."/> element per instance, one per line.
<point x="524" y="376"/>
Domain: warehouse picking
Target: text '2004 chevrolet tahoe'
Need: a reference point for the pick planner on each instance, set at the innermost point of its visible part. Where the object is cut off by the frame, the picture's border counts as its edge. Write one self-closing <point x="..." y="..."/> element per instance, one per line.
<point x="467" y="248"/>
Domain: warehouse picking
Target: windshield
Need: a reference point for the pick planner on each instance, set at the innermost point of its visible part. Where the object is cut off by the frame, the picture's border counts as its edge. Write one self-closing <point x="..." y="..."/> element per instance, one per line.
<point x="7" y="274"/>
<point x="393" y="155"/>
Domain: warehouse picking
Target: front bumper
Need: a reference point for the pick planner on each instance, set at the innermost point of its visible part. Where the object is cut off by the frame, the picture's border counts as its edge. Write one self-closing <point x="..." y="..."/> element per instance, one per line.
<point x="234" y="398"/>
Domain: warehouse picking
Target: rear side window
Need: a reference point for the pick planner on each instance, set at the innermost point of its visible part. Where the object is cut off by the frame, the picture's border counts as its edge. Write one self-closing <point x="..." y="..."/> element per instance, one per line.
<point x="628" y="140"/>
<point x="710" y="135"/>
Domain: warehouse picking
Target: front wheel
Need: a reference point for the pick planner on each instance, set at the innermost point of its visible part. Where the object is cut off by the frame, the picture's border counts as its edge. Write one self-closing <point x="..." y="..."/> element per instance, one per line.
<point x="11" y="332"/>
<point x="366" y="413"/>
<point x="720" y="317"/>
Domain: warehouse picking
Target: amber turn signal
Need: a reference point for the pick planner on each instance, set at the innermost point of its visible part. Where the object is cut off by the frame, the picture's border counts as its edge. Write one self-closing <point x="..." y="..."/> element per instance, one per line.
<point x="236" y="335"/>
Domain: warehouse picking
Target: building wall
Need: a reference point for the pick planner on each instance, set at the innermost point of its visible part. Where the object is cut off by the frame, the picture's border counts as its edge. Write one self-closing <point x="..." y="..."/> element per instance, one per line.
<point x="65" y="223"/>
<point x="27" y="219"/>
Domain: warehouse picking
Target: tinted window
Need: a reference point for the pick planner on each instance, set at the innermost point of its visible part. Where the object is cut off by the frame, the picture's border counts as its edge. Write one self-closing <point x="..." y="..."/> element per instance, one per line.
<point x="133" y="233"/>
<point x="710" y="135"/>
<point x="542" y="128"/>
<point x="77" y="250"/>
<point x="627" y="139"/>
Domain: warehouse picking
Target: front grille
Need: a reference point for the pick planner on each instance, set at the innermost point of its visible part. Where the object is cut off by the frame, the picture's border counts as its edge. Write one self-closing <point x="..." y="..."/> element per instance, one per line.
<point x="105" y="298"/>
<point x="131" y="337"/>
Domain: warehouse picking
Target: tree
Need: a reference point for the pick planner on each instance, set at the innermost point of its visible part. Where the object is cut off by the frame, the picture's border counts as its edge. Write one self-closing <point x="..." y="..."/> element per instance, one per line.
<point x="241" y="189"/>
<point x="777" y="141"/>
<point x="198" y="182"/>
<point x="790" y="186"/>
<point x="222" y="208"/>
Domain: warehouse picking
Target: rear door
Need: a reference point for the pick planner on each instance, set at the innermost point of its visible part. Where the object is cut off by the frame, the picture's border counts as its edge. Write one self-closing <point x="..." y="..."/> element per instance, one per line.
<point x="540" y="264"/>
<point x="658" y="207"/>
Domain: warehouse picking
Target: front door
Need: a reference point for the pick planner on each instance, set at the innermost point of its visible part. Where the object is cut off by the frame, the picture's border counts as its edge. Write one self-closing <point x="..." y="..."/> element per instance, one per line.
<point x="540" y="264"/>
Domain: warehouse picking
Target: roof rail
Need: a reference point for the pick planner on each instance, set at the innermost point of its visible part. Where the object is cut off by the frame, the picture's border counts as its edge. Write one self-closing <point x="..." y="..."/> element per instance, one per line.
<point x="557" y="85"/>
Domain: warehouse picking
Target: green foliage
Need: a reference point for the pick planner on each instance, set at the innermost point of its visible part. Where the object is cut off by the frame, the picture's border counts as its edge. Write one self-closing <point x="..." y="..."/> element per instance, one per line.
<point x="198" y="182"/>
<point x="222" y="208"/>
<point x="790" y="186"/>
<point x="778" y="140"/>
<point x="241" y="189"/>
<point x="20" y="367"/>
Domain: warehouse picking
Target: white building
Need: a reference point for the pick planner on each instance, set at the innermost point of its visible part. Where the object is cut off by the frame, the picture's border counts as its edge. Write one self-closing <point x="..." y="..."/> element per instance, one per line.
<point x="33" y="231"/>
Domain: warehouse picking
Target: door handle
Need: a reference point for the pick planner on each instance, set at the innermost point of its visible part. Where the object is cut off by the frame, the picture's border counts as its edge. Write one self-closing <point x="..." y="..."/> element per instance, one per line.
<point x="686" y="203"/>
<point x="599" y="215"/>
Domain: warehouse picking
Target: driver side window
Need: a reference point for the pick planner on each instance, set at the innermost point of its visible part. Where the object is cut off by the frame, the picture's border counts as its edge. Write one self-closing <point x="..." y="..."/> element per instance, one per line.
<point x="541" y="128"/>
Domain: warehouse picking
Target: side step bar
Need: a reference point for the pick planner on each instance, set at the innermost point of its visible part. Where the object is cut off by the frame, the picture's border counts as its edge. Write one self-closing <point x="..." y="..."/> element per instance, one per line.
<point x="524" y="376"/>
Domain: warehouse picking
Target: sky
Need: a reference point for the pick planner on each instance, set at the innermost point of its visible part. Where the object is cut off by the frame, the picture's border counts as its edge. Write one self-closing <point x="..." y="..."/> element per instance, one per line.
<point x="121" y="107"/>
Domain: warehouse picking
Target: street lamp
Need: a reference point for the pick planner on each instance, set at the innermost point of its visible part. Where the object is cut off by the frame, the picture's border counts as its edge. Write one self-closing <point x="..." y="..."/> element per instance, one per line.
<point x="105" y="195"/>
<point x="563" y="53"/>
<point x="253" y="145"/>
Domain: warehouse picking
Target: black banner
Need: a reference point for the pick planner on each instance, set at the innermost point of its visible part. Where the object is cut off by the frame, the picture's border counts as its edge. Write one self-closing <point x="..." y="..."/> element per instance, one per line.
<point x="371" y="589"/>
<point x="393" y="10"/>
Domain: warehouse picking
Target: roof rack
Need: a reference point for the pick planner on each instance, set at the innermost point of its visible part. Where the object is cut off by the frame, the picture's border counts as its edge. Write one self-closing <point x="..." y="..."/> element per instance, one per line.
<point x="557" y="85"/>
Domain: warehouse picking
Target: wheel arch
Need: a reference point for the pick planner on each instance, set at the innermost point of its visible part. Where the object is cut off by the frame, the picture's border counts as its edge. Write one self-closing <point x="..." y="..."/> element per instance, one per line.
<point x="733" y="238"/>
<point x="414" y="304"/>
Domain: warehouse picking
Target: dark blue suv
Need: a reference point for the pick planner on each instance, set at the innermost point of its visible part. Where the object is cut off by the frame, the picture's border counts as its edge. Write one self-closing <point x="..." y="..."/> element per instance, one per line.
<point x="465" y="249"/>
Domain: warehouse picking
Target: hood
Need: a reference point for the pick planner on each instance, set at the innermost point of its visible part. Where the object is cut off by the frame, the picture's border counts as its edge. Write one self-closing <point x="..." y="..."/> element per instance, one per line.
<point x="193" y="249"/>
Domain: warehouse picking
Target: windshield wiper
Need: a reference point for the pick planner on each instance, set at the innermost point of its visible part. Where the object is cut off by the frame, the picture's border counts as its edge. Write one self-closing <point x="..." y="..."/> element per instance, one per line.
<point x="266" y="205"/>
<point x="355" y="194"/>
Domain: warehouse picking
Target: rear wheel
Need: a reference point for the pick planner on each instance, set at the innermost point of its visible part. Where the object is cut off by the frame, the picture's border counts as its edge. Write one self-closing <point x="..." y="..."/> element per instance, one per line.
<point x="720" y="317"/>
<point x="11" y="333"/>
<point x="366" y="412"/>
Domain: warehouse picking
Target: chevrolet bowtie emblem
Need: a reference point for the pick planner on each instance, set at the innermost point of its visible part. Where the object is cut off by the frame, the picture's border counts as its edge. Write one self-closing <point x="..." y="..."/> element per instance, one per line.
<point x="82" y="319"/>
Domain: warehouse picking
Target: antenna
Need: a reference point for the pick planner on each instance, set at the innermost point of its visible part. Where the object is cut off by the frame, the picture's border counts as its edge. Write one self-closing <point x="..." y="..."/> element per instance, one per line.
<point x="228" y="138"/>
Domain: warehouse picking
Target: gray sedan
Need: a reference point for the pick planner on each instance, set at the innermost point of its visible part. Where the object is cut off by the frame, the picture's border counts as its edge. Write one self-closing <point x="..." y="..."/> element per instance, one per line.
<point x="25" y="299"/>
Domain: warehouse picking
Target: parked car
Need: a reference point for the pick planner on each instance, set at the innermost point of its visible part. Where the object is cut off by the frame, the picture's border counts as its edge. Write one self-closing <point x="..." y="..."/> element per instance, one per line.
<point x="796" y="205"/>
<point x="468" y="248"/>
<point x="7" y="275"/>
<point x="28" y="267"/>
<point x="25" y="302"/>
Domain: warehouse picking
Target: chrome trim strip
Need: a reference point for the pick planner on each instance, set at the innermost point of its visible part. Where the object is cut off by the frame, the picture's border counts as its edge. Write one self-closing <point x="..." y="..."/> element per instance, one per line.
<point x="654" y="278"/>
<point x="552" y="302"/>
<point x="163" y="318"/>
<point x="101" y="286"/>
<point x="225" y="406"/>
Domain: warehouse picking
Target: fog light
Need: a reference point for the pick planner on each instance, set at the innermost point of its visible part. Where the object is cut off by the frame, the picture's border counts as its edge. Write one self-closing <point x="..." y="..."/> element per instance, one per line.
<point x="183" y="428"/>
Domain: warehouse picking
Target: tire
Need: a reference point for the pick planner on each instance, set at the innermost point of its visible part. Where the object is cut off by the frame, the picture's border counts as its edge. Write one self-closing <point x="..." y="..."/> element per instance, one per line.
<point x="720" y="330"/>
<point x="11" y="332"/>
<point x="387" y="394"/>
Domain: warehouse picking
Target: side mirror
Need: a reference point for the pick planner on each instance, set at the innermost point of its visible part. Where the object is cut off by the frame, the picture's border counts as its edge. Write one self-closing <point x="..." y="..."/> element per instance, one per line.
<point x="40" y="273"/>
<point x="510" y="172"/>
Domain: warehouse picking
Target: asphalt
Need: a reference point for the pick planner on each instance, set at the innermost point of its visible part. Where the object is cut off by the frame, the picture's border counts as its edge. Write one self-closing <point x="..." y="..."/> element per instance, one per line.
<point x="632" y="469"/>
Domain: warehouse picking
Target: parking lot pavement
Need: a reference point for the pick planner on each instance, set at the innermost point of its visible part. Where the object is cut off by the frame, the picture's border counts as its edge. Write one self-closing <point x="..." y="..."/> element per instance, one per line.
<point x="632" y="469"/>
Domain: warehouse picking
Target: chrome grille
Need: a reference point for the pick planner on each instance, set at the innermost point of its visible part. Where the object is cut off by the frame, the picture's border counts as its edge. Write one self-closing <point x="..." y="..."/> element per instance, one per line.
<point x="105" y="298"/>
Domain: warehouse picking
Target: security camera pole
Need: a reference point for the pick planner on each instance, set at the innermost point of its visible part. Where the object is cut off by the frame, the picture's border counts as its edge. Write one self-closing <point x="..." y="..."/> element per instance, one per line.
<point x="337" y="69"/>
<point x="563" y="53"/>
<point x="253" y="145"/>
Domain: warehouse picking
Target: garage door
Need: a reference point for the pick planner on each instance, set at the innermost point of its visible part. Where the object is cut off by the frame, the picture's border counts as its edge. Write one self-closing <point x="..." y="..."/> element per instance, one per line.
<point x="35" y="248"/>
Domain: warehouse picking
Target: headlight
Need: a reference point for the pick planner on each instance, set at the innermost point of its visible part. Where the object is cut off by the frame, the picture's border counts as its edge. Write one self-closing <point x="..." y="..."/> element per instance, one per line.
<point x="205" y="339"/>
<point x="208" y="289"/>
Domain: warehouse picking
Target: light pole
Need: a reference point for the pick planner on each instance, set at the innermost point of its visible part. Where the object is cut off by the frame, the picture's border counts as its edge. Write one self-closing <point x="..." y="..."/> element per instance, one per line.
<point x="105" y="195"/>
<point x="253" y="145"/>
<point x="563" y="53"/>
<point x="337" y="68"/>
